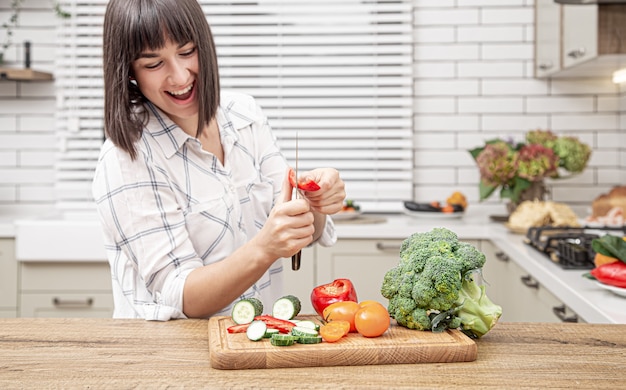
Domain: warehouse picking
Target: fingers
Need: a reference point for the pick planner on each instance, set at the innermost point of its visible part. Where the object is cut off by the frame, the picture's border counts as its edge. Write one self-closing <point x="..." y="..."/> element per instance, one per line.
<point x="287" y="190"/>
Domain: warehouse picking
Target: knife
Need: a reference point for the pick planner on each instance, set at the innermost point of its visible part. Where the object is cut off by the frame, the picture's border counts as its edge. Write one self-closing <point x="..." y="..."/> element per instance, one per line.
<point x="295" y="259"/>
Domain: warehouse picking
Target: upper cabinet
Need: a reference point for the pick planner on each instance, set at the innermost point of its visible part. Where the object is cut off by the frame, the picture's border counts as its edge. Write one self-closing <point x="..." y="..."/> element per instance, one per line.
<point x="579" y="40"/>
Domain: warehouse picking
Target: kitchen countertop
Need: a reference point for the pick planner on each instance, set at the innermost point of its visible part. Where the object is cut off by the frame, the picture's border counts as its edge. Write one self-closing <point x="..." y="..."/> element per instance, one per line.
<point x="79" y="239"/>
<point x="108" y="353"/>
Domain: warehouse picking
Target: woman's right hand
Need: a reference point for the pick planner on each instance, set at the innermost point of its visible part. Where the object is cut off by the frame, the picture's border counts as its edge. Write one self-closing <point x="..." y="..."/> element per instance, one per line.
<point x="289" y="226"/>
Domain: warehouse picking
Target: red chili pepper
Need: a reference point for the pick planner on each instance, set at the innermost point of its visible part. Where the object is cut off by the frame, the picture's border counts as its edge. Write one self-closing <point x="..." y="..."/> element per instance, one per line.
<point x="338" y="291"/>
<point x="304" y="185"/>
<point x="283" y="326"/>
<point x="613" y="274"/>
<point x="238" y="328"/>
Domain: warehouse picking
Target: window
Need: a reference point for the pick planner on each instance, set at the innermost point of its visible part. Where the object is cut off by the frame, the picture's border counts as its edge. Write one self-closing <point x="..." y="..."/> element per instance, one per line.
<point x="337" y="72"/>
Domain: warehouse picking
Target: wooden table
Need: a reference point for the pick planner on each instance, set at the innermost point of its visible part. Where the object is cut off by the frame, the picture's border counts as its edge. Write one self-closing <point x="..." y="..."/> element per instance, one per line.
<point x="108" y="353"/>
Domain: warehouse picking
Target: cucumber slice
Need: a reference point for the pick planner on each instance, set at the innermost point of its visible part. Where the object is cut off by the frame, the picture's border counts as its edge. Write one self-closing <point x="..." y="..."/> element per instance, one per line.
<point x="309" y="340"/>
<point x="269" y="332"/>
<point x="246" y="309"/>
<point x="256" y="330"/>
<point x="308" y="324"/>
<point x="287" y="307"/>
<point x="299" y="331"/>
<point x="282" y="340"/>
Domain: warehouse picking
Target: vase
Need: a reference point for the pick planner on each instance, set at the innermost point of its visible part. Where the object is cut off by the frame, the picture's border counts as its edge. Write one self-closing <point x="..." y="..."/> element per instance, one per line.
<point x="536" y="191"/>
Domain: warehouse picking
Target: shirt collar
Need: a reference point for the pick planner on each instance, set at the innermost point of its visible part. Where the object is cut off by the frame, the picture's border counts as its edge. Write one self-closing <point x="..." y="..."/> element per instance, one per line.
<point x="171" y="138"/>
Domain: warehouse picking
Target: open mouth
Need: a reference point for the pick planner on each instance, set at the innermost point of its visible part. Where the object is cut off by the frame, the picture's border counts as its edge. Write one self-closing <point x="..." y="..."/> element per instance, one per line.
<point x="182" y="94"/>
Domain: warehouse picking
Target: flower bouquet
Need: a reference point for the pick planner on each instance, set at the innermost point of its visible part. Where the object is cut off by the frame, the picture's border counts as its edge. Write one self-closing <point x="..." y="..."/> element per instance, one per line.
<point x="515" y="167"/>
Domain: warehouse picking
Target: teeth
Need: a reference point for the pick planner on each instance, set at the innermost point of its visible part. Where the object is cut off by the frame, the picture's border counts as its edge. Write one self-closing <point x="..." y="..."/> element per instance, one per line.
<point x="181" y="92"/>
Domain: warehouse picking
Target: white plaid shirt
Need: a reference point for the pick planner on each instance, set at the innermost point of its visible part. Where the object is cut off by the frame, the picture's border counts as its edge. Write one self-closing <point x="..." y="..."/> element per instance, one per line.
<point x="176" y="208"/>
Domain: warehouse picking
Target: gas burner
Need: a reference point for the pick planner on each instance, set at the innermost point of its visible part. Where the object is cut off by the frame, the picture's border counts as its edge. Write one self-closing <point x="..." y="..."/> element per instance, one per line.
<point x="569" y="247"/>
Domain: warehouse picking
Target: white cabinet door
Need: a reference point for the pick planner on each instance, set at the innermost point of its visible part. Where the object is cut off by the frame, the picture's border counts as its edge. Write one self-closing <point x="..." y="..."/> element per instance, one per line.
<point x="8" y="278"/>
<point x="300" y="283"/>
<point x="580" y="34"/>
<point x="547" y="38"/>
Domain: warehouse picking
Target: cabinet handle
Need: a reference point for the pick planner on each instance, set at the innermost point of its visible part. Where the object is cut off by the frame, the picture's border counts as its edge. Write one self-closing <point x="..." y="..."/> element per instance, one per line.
<point x="529" y="282"/>
<point x="502" y="256"/>
<point x="546" y="65"/>
<point x="387" y="247"/>
<point x="580" y="52"/>
<point x="559" y="311"/>
<point x="72" y="303"/>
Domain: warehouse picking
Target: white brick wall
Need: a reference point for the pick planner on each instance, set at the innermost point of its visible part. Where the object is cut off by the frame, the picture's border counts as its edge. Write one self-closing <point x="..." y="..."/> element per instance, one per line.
<point x="27" y="140"/>
<point x="473" y="81"/>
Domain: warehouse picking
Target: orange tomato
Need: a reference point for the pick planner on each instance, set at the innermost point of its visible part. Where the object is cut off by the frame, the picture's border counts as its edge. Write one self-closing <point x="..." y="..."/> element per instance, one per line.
<point x="333" y="331"/>
<point x="345" y="311"/>
<point x="363" y="304"/>
<point x="372" y="320"/>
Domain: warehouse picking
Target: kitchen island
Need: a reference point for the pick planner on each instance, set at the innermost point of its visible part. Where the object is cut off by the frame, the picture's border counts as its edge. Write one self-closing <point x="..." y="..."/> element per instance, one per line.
<point x="109" y="353"/>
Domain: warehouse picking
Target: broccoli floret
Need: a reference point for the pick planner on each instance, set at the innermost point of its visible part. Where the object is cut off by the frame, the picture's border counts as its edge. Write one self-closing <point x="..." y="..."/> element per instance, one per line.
<point x="429" y="288"/>
<point x="477" y="313"/>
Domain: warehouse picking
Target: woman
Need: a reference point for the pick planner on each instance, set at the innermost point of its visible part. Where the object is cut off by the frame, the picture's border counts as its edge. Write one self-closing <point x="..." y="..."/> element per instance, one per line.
<point x="191" y="187"/>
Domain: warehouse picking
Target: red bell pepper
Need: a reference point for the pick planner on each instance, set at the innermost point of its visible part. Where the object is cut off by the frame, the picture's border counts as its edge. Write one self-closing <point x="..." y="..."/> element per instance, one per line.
<point x="338" y="291"/>
<point x="304" y="185"/>
<point x="613" y="274"/>
<point x="283" y="326"/>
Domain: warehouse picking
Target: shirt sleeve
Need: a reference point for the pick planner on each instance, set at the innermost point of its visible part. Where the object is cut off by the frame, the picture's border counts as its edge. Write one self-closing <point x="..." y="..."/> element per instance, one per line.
<point x="142" y="219"/>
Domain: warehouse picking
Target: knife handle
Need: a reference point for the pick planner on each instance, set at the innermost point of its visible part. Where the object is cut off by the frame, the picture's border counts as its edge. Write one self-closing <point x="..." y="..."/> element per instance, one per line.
<point x="295" y="261"/>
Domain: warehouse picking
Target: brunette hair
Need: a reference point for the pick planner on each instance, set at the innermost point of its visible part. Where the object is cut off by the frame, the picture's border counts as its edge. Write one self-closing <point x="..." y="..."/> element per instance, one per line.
<point x="132" y="26"/>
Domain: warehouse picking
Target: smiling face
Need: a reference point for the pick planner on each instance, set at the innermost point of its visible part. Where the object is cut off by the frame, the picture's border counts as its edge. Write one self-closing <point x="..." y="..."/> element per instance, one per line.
<point x="167" y="77"/>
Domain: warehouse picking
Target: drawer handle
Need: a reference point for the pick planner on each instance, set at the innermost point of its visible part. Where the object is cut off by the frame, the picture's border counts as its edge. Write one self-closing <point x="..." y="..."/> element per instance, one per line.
<point x="559" y="311"/>
<point x="529" y="282"/>
<point x="72" y="303"/>
<point x="502" y="256"/>
<point x="577" y="53"/>
<point x="387" y="247"/>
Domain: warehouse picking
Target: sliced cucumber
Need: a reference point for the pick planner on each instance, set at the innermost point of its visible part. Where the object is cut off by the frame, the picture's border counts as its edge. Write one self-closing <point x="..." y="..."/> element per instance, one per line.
<point x="256" y="330"/>
<point x="269" y="332"/>
<point x="246" y="309"/>
<point x="287" y="307"/>
<point x="309" y="340"/>
<point x="308" y="324"/>
<point x="299" y="331"/>
<point x="283" y="340"/>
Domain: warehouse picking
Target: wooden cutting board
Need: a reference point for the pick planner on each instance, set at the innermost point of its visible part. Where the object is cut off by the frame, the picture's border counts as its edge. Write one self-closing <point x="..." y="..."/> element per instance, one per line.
<point x="397" y="345"/>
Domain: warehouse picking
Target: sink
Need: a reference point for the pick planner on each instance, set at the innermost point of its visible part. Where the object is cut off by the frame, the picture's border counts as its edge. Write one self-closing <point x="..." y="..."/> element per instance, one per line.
<point x="59" y="237"/>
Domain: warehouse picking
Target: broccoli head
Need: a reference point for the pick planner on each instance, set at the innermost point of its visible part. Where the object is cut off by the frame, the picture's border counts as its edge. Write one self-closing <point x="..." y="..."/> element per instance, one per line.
<point x="429" y="288"/>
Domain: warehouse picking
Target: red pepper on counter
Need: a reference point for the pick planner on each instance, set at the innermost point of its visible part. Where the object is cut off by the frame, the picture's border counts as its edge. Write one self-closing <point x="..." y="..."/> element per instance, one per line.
<point x="338" y="291"/>
<point x="613" y="274"/>
<point x="283" y="326"/>
<point x="304" y="185"/>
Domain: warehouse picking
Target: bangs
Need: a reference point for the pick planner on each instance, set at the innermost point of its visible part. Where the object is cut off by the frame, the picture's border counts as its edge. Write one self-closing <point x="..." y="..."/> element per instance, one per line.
<point x="151" y="25"/>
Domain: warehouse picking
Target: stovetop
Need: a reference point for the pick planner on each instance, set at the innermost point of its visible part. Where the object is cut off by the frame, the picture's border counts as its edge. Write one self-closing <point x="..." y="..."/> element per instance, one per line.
<point x="569" y="247"/>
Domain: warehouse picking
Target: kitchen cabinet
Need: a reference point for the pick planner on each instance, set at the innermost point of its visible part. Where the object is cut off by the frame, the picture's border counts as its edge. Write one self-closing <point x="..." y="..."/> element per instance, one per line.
<point x="65" y="289"/>
<point x="8" y="278"/>
<point x="522" y="298"/>
<point x="301" y="282"/>
<point x="578" y="40"/>
<point x="364" y="262"/>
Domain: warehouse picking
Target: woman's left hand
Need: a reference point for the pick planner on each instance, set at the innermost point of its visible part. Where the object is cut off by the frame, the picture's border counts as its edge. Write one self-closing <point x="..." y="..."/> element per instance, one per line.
<point x="330" y="197"/>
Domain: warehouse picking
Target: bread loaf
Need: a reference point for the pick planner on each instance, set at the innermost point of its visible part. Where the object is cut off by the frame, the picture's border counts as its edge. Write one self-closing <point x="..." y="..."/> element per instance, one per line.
<point x="605" y="202"/>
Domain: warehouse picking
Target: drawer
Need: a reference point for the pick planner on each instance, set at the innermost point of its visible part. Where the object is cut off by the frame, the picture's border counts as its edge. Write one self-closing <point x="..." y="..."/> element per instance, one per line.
<point x="10" y="313"/>
<point x="65" y="276"/>
<point x="66" y="305"/>
<point x="8" y="274"/>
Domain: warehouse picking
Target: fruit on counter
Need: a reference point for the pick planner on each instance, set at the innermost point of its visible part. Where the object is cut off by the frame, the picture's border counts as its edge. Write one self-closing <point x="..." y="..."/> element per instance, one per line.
<point x="350" y="205"/>
<point x="457" y="198"/>
<point x="371" y="319"/>
<point x="613" y="274"/>
<point x="600" y="259"/>
<point x="338" y="290"/>
<point x="344" y="311"/>
<point x="287" y="307"/>
<point x="434" y="285"/>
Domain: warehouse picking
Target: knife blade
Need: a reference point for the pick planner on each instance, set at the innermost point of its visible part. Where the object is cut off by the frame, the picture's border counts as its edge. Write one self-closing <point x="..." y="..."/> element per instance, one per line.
<point x="295" y="259"/>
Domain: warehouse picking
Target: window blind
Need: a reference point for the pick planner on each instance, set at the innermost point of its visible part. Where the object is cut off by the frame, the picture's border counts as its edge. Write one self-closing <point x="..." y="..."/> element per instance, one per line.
<point x="336" y="72"/>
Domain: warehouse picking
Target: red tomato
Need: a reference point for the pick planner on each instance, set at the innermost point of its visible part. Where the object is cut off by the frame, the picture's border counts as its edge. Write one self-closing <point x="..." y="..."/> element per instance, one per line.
<point x="342" y="311"/>
<point x="372" y="320"/>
